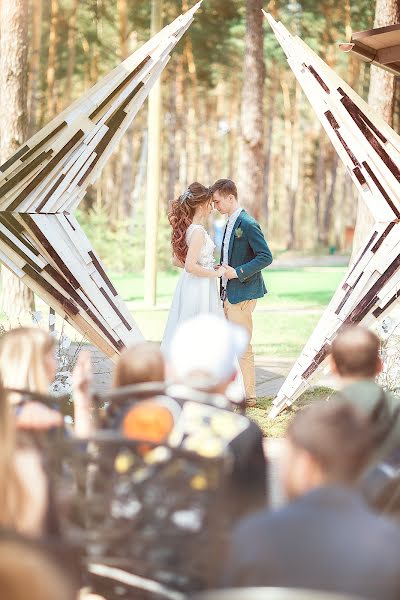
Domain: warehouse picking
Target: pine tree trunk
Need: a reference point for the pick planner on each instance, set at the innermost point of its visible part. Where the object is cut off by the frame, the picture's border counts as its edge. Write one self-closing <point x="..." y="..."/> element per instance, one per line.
<point x="16" y="298"/>
<point x="295" y="192"/>
<point x="209" y="175"/>
<point x="122" y="9"/>
<point x="381" y="100"/>
<point x="233" y="129"/>
<point x="51" y="66"/>
<point x="138" y="188"/>
<point x="126" y="172"/>
<point x="36" y="17"/>
<point x="194" y="126"/>
<point x="71" y="45"/>
<point x="292" y="126"/>
<point x="153" y="174"/>
<point x="171" y="136"/>
<point x="182" y="124"/>
<point x="251" y="160"/>
<point x="330" y="202"/>
<point x="287" y="150"/>
<point x="270" y="128"/>
<point x="320" y="185"/>
<point x="126" y="147"/>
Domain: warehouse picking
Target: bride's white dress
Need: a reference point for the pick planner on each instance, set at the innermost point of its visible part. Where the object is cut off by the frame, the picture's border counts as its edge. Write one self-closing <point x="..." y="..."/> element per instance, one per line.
<point x="195" y="295"/>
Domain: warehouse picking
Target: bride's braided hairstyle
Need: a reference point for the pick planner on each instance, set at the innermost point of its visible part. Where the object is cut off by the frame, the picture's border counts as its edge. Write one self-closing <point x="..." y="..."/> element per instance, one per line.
<point x="181" y="215"/>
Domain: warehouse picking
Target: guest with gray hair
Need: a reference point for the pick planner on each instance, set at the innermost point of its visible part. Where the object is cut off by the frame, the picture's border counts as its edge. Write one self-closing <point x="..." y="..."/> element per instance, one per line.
<point x="203" y="364"/>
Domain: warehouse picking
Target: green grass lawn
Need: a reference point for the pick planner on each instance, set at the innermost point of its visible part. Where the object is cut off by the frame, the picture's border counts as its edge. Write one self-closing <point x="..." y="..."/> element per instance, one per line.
<point x="279" y="328"/>
<point x="310" y="287"/>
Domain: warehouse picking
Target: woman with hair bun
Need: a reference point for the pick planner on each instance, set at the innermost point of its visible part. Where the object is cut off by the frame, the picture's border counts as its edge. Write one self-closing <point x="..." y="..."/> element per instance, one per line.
<point x="193" y="249"/>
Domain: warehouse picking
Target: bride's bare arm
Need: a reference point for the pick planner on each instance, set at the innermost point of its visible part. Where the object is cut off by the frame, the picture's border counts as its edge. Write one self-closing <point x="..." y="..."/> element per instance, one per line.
<point x="193" y="255"/>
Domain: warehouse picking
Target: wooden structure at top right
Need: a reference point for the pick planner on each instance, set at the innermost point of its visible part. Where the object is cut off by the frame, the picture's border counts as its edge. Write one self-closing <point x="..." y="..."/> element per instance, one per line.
<point x="370" y="150"/>
<point x="379" y="46"/>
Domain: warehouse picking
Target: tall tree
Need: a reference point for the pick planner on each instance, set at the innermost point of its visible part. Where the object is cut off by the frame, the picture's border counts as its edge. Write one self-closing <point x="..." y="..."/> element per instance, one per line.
<point x="251" y="157"/>
<point x="127" y="144"/>
<point x="51" y="66"/>
<point x="153" y="173"/>
<point x="36" y="37"/>
<point x="381" y="99"/>
<point x="71" y="45"/>
<point x="16" y="299"/>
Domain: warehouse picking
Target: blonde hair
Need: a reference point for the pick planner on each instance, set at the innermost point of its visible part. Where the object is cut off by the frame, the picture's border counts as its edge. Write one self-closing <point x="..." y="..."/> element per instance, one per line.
<point x="22" y="366"/>
<point x="12" y="493"/>
<point x="22" y="359"/>
<point x="139" y="364"/>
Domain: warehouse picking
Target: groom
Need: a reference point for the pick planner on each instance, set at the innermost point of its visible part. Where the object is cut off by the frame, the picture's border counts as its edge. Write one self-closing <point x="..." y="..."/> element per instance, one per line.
<point x="245" y="253"/>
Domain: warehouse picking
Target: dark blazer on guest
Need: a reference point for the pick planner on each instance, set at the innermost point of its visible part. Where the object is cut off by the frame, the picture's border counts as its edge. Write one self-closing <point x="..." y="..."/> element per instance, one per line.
<point x="249" y="254"/>
<point x="326" y="540"/>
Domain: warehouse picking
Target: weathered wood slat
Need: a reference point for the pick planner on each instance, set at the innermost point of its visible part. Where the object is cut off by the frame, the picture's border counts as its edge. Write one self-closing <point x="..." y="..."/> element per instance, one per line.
<point x="40" y="241"/>
<point x="370" y="150"/>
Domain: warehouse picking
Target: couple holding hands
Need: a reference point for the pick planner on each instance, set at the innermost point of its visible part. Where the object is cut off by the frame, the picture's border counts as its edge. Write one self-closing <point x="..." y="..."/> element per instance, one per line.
<point x="244" y="254"/>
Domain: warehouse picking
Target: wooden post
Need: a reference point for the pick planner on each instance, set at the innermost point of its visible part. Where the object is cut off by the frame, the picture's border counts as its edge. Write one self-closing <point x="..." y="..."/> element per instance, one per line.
<point x="153" y="174"/>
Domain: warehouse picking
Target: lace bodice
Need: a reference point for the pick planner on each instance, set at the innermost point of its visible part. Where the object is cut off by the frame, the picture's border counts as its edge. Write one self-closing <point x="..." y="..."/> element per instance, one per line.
<point x="206" y="258"/>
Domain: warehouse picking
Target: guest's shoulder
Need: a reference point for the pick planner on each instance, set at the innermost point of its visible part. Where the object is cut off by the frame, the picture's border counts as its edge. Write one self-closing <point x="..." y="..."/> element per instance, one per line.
<point x="256" y="523"/>
<point x="251" y="524"/>
<point x="386" y="534"/>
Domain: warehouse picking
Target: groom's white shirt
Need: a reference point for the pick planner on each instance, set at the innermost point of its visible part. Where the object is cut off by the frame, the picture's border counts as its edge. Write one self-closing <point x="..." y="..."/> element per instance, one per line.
<point x="225" y="250"/>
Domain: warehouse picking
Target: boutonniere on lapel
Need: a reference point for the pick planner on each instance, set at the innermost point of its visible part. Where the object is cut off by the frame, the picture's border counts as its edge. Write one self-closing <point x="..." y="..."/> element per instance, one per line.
<point x="238" y="233"/>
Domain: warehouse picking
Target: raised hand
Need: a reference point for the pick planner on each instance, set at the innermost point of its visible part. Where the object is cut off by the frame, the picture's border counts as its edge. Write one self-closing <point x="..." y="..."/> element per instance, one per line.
<point x="37" y="416"/>
<point x="81" y="382"/>
<point x="82" y="377"/>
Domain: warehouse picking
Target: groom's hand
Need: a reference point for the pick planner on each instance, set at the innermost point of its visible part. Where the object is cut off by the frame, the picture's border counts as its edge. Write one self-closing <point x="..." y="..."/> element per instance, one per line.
<point x="230" y="272"/>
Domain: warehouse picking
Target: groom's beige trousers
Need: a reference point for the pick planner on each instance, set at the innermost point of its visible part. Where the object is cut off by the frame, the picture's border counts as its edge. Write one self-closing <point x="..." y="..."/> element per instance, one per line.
<point x="242" y="314"/>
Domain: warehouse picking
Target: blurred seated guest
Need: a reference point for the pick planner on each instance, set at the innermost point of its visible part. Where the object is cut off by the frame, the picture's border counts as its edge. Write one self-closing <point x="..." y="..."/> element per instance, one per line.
<point x="326" y="538"/>
<point x="23" y="484"/>
<point x="28" y="363"/>
<point x="28" y="570"/>
<point x="138" y="375"/>
<point x="380" y="485"/>
<point x="204" y="356"/>
<point x="140" y="363"/>
<point x="355" y="360"/>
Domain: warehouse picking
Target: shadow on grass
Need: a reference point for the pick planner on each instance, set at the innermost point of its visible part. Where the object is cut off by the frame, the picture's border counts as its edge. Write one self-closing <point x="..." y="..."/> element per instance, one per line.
<point x="275" y="428"/>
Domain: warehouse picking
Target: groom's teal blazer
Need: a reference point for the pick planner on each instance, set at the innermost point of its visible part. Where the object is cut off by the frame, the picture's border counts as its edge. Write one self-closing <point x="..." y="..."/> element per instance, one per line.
<point x="248" y="254"/>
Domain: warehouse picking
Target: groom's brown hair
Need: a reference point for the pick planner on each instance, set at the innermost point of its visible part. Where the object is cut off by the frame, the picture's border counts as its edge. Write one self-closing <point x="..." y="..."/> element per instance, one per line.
<point x="225" y="187"/>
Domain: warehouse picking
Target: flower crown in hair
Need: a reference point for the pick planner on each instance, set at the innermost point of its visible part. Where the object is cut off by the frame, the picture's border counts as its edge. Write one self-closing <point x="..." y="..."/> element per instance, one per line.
<point x="188" y="195"/>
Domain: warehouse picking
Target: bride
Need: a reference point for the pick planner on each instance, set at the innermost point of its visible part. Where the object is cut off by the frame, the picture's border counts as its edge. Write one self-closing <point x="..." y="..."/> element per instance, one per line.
<point x="193" y="249"/>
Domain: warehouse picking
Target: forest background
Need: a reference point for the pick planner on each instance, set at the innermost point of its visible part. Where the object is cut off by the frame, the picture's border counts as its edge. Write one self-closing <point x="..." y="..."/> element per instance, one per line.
<point x="306" y="202"/>
<point x="230" y="107"/>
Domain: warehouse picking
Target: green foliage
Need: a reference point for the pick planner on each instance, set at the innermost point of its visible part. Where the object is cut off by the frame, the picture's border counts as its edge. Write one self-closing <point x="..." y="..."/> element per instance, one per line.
<point x="214" y="39"/>
<point x="120" y="249"/>
<point x="115" y="247"/>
